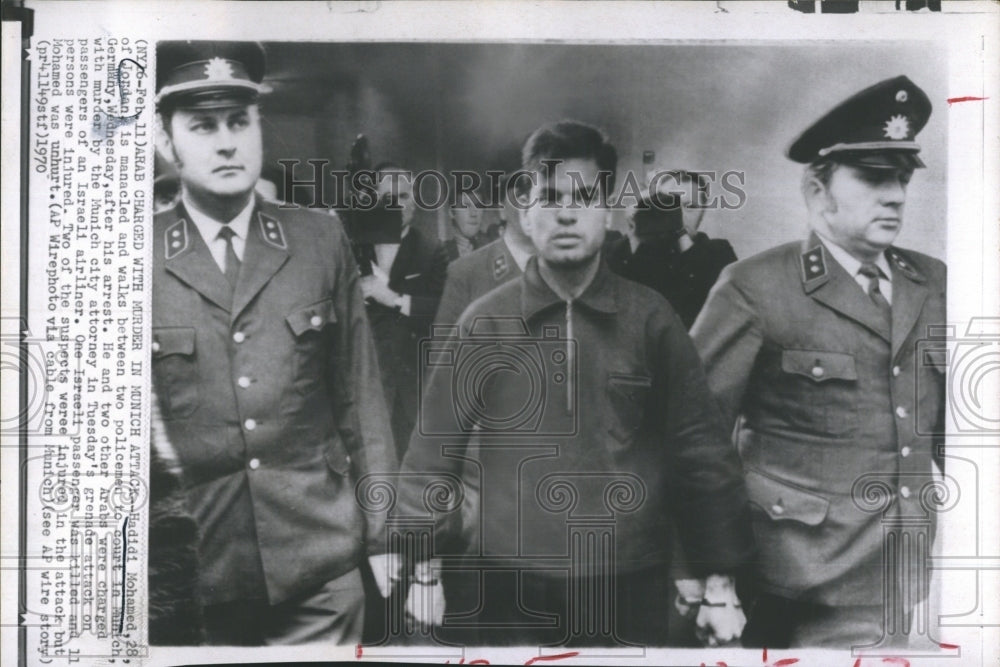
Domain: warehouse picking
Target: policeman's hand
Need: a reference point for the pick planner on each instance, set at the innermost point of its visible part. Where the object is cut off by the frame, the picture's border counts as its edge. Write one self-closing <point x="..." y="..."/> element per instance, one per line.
<point x="720" y="618"/>
<point x="376" y="289"/>
<point x="386" y="569"/>
<point x="425" y="601"/>
<point x="689" y="595"/>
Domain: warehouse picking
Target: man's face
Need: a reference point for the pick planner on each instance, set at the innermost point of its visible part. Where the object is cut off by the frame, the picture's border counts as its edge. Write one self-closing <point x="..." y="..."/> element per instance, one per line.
<point x="217" y="152"/>
<point x="566" y="231"/>
<point x="466" y="217"/>
<point x="864" y="211"/>
<point x="690" y="200"/>
<point x="396" y="185"/>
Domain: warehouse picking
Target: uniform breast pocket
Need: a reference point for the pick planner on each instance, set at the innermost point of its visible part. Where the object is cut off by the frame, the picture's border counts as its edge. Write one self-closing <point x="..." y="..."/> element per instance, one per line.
<point x="628" y="396"/>
<point x="175" y="370"/>
<point x="312" y="328"/>
<point x="820" y="390"/>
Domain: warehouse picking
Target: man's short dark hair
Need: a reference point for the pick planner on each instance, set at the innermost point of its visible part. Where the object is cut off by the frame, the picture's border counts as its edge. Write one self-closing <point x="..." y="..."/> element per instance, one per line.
<point x="569" y="140"/>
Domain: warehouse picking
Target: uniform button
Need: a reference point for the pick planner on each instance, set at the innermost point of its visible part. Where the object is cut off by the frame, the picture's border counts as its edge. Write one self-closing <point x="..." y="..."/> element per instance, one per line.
<point x="895" y="371"/>
<point x="904" y="452"/>
<point x="777" y="509"/>
<point x="901" y="412"/>
<point x="250" y="424"/>
<point x="315" y="320"/>
<point x="243" y="381"/>
<point x="156" y="346"/>
<point x="818" y="371"/>
<point x="254" y="464"/>
<point x="239" y="336"/>
<point x="904" y="491"/>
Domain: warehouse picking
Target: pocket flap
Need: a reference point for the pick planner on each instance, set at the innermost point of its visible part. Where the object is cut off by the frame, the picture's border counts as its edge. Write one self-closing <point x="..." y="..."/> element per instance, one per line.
<point x="782" y="501"/>
<point x="818" y="365"/>
<point x="635" y="387"/>
<point x="311" y="318"/>
<point x="173" y="340"/>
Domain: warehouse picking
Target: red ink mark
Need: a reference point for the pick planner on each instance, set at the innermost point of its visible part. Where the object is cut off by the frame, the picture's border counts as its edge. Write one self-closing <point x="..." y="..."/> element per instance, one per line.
<point x="897" y="661"/>
<point x="557" y="656"/>
<point x="358" y="651"/>
<point x="857" y="663"/>
<point x="953" y="100"/>
<point x="786" y="661"/>
<point x="479" y="661"/>
<point x="948" y="645"/>
<point x="764" y="658"/>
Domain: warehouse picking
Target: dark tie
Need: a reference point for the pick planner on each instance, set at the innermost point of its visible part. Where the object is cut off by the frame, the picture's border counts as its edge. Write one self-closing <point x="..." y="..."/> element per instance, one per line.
<point x="232" y="270"/>
<point x="873" y="274"/>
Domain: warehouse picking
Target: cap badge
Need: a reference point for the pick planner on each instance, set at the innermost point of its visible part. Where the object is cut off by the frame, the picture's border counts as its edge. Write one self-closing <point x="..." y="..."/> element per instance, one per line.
<point x="901" y="96"/>
<point x="218" y="69"/>
<point x="897" y="127"/>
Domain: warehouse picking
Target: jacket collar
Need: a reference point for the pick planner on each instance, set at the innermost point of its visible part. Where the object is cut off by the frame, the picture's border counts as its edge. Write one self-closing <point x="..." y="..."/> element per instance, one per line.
<point x="536" y="295"/>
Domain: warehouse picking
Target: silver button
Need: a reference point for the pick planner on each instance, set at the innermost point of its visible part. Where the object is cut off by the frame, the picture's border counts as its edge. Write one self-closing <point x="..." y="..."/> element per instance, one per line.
<point x="777" y="509"/>
<point x="818" y="371"/>
<point x="176" y="233"/>
<point x="239" y="336"/>
<point x="254" y="464"/>
<point x="250" y="424"/>
<point x="901" y="412"/>
<point x="315" y="320"/>
<point x="895" y="371"/>
<point x="904" y="491"/>
<point x="901" y="96"/>
<point x="156" y="346"/>
<point x="243" y="381"/>
<point x="904" y="452"/>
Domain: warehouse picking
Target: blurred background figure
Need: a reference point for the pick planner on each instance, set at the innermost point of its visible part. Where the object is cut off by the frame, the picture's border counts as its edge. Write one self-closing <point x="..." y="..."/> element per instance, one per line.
<point x="663" y="248"/>
<point x="402" y="294"/>
<point x="465" y="216"/>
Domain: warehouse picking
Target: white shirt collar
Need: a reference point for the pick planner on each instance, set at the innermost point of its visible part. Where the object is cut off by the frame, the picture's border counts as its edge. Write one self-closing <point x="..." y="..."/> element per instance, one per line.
<point x="852" y="264"/>
<point x="209" y="227"/>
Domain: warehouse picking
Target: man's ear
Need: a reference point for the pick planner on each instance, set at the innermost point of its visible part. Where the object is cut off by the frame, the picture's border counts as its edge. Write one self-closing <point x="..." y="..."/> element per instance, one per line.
<point x="164" y="142"/>
<point x="816" y="195"/>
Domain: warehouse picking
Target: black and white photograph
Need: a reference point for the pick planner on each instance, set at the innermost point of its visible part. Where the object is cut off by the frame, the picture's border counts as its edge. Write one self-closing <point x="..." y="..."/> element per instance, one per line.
<point x="448" y="341"/>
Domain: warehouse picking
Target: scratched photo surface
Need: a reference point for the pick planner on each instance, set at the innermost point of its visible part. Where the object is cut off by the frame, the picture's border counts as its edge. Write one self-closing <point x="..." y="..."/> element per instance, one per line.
<point x="450" y="342"/>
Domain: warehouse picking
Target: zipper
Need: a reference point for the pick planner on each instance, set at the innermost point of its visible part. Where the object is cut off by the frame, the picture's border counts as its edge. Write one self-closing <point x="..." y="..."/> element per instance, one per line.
<point x="569" y="356"/>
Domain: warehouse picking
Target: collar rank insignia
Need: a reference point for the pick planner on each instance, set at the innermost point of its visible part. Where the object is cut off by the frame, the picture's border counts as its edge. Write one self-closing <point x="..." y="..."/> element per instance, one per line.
<point x="500" y="267"/>
<point x="271" y="231"/>
<point x="900" y="262"/>
<point x="813" y="263"/>
<point x="175" y="239"/>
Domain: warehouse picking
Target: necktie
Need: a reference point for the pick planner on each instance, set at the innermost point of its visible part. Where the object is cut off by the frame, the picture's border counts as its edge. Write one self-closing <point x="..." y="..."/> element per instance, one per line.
<point x="873" y="274"/>
<point x="232" y="270"/>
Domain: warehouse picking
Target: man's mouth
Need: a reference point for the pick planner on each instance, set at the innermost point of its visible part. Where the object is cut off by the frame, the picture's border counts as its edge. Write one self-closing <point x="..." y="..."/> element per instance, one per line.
<point x="227" y="168"/>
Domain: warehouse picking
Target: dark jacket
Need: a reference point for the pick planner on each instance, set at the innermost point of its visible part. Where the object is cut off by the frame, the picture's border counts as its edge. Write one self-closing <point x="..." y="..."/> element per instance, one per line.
<point x="607" y="417"/>
<point x="271" y="398"/>
<point x="836" y="410"/>
<point x="474" y="275"/>
<point x="683" y="278"/>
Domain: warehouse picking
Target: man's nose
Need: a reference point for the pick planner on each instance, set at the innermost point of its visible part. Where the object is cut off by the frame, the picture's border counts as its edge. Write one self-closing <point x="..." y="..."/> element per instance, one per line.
<point x="566" y="214"/>
<point x="225" y="141"/>
<point x="893" y="192"/>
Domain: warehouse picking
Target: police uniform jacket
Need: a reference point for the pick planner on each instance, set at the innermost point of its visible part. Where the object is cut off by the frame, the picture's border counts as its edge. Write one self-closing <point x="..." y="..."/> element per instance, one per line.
<point x="838" y="411"/>
<point x="270" y="395"/>
<point x="474" y="275"/>
<point x="623" y="430"/>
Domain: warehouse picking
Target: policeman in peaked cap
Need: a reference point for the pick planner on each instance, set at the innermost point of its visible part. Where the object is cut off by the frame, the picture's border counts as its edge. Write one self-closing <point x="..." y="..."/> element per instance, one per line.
<point x="265" y="370"/>
<point x="810" y="348"/>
